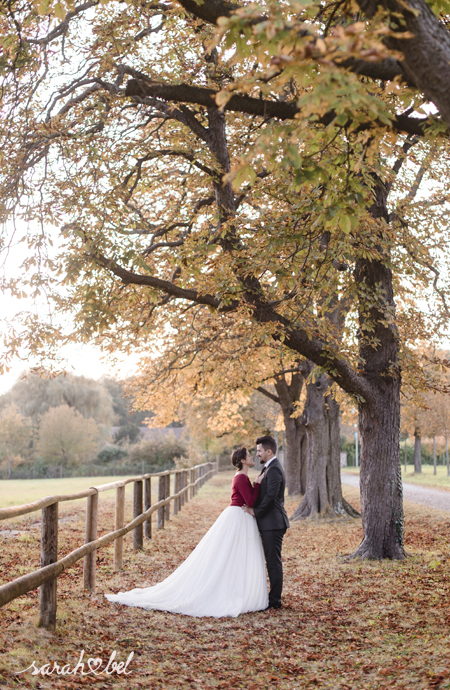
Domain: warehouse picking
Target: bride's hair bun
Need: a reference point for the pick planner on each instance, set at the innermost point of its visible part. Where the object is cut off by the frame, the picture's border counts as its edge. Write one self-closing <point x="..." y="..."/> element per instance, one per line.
<point x="238" y="456"/>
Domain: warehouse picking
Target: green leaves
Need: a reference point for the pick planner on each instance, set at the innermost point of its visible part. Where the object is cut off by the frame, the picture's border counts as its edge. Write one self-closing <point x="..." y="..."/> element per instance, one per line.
<point x="345" y="224"/>
<point x="441" y="8"/>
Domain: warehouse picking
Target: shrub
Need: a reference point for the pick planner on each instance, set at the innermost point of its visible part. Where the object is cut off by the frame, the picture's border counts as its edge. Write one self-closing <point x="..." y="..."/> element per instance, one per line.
<point x="159" y="452"/>
<point x="111" y="454"/>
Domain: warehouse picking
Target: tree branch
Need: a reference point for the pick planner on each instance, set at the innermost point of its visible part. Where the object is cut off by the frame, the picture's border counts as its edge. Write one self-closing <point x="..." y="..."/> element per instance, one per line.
<point x="265" y="392"/>
<point x="185" y="93"/>
<point x="209" y="10"/>
<point x="295" y="338"/>
<point x="385" y="70"/>
<point x="131" y="278"/>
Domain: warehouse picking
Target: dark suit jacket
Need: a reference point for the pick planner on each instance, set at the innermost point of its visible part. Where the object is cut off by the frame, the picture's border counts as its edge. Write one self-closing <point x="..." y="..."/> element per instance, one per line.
<point x="269" y="507"/>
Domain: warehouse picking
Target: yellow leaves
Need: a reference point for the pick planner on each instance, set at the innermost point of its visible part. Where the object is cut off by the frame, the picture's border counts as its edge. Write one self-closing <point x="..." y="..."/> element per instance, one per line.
<point x="434" y="564"/>
<point x="43" y="7"/>
<point x="310" y="165"/>
<point x="59" y="11"/>
<point x="408" y="8"/>
<point x="222" y="98"/>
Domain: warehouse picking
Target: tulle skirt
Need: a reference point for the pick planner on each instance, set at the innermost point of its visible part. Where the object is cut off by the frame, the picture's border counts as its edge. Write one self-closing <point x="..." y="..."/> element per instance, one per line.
<point x="225" y="575"/>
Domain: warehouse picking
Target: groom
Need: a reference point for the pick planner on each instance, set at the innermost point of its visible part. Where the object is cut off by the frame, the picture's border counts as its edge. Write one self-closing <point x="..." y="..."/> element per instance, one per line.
<point x="270" y="514"/>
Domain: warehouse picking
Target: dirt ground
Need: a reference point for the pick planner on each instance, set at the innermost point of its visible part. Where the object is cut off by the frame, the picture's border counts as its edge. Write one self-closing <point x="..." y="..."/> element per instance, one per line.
<point x="344" y="624"/>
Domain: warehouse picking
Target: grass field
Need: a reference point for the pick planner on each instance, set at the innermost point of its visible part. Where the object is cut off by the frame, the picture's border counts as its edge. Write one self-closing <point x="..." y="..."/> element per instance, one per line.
<point x="19" y="491"/>
<point x="15" y="491"/>
<point x="345" y="625"/>
<point x="425" y="478"/>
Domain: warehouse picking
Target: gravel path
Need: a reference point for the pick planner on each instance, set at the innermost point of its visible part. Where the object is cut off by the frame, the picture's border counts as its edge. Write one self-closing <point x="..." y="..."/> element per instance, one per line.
<point x="433" y="498"/>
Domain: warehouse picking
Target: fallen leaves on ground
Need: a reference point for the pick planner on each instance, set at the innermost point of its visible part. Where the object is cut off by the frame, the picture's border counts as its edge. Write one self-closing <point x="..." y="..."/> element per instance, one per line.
<point x="345" y="624"/>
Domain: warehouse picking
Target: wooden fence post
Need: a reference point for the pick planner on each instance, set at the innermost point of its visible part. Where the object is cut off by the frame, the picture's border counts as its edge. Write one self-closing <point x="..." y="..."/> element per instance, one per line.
<point x="177" y="489"/>
<point x="161" y="497"/>
<point x="167" y="507"/>
<point x="183" y="485"/>
<point x="119" y="522"/>
<point x="147" y="504"/>
<point x="179" y="486"/>
<point x="138" y="532"/>
<point x="91" y="535"/>
<point x="49" y="554"/>
<point x="191" y="479"/>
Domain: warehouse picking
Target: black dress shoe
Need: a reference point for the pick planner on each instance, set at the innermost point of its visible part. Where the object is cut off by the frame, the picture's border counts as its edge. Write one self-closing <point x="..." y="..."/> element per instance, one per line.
<point x="272" y="606"/>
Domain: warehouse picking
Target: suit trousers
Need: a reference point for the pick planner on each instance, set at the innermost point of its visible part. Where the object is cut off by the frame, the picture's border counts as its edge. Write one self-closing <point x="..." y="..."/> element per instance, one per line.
<point x="272" y="541"/>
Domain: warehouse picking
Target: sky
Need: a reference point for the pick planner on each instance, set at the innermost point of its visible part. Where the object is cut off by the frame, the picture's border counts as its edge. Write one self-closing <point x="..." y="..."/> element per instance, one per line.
<point x="81" y="360"/>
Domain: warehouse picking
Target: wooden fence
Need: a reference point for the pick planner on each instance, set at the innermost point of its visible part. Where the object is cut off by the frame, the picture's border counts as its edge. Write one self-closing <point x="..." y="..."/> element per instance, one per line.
<point x="187" y="483"/>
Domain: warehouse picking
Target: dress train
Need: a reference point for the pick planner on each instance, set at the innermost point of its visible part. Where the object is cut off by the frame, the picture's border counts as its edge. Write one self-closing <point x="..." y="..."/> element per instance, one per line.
<point x="225" y="575"/>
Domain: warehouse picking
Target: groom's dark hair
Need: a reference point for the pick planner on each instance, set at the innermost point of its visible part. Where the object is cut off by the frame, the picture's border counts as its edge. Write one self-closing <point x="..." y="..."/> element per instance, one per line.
<point x="267" y="442"/>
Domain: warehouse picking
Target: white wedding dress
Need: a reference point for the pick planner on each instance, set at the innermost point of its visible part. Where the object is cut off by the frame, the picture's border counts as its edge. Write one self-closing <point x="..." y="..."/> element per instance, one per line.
<point x="225" y="575"/>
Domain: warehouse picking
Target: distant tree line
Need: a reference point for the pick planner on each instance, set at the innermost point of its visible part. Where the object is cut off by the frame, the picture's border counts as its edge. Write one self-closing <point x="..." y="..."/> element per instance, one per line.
<point x="61" y="426"/>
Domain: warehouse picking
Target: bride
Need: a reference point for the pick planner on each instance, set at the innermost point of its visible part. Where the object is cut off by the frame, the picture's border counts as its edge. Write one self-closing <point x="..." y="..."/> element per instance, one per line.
<point x="225" y="575"/>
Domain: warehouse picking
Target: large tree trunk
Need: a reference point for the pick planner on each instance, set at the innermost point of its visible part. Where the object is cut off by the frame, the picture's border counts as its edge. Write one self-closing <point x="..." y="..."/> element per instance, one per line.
<point x="379" y="416"/>
<point x="293" y="460"/>
<point x="323" y="495"/>
<point x="417" y="450"/>
<point x="304" y="465"/>
<point x="288" y="394"/>
<point x="380" y="476"/>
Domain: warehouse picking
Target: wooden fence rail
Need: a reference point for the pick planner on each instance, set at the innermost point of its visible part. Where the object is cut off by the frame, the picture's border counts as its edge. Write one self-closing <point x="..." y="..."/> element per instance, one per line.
<point x="187" y="483"/>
